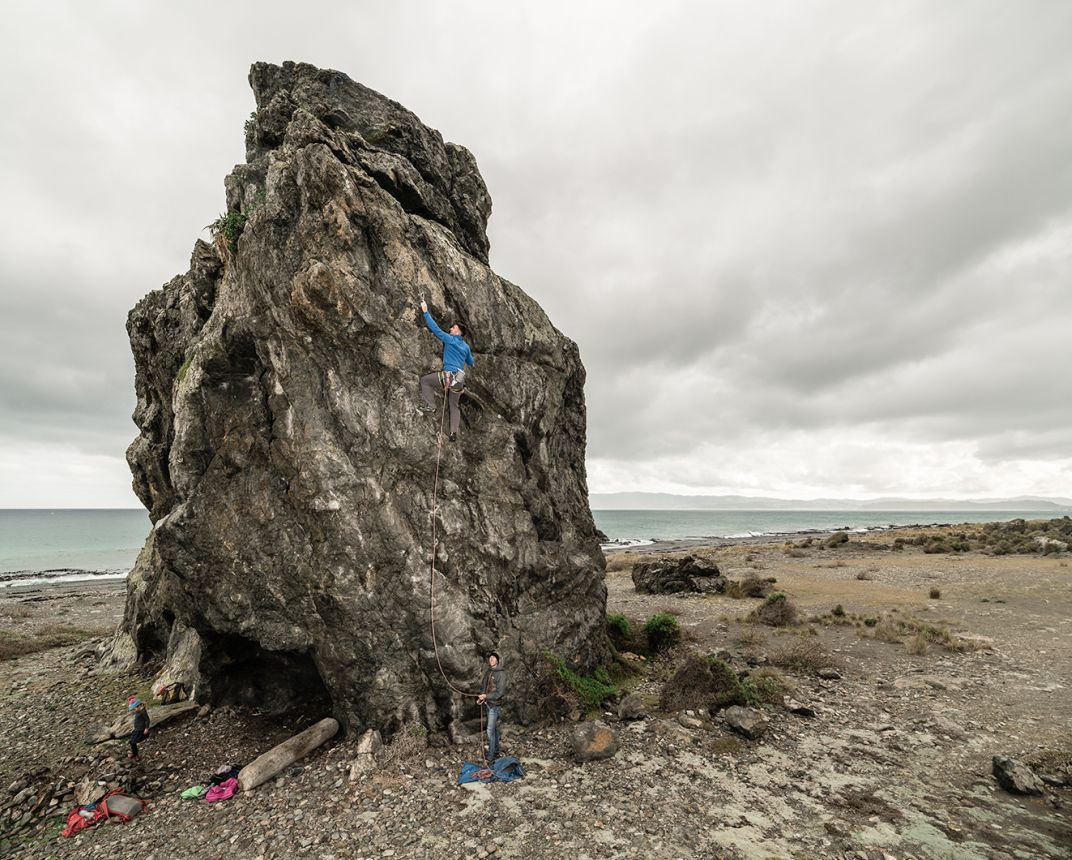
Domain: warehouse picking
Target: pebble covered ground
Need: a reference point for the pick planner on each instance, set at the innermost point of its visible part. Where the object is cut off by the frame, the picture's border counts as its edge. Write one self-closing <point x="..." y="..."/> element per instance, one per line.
<point x="896" y="763"/>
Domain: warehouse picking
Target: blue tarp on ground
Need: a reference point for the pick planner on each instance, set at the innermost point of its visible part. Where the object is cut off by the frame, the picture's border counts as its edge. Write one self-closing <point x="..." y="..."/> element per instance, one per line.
<point x="505" y="769"/>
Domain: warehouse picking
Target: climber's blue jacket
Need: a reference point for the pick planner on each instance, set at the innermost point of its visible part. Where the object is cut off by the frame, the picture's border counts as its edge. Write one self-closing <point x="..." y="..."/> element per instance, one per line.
<point x="456" y="352"/>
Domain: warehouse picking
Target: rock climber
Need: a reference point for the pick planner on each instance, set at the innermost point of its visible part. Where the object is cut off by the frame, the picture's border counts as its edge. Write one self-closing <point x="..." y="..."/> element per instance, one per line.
<point x="451" y="379"/>
<point x="141" y="724"/>
<point x="493" y="688"/>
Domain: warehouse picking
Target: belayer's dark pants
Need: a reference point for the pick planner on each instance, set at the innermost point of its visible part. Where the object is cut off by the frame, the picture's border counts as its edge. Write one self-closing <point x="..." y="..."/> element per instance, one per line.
<point x="433" y="382"/>
<point x="136" y="735"/>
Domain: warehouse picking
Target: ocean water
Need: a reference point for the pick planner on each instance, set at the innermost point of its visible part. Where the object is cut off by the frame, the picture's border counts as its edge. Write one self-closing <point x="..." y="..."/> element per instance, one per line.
<point x="68" y="540"/>
<point x="42" y="545"/>
<point x="635" y="527"/>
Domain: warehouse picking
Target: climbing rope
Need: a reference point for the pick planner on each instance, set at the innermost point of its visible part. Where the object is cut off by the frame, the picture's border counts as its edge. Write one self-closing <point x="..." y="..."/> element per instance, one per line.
<point x="432" y="571"/>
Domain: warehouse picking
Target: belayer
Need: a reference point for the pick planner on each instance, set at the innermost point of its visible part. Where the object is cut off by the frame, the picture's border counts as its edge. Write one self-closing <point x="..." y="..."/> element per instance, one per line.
<point x="451" y="379"/>
<point x="492" y="690"/>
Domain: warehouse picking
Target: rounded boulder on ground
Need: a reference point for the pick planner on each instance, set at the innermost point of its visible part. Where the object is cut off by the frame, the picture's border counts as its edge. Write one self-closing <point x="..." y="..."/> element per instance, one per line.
<point x="593" y="741"/>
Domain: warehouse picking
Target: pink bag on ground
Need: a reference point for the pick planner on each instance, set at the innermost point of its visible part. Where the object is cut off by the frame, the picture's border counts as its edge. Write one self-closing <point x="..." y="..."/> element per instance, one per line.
<point x="224" y="791"/>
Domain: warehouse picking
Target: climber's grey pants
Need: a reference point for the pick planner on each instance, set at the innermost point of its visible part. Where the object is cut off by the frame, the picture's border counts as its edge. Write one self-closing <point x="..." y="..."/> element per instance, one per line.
<point x="433" y="382"/>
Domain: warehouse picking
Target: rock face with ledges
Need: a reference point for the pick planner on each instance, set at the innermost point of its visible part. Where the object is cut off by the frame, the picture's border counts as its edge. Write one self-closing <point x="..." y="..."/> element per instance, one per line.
<point x="286" y="467"/>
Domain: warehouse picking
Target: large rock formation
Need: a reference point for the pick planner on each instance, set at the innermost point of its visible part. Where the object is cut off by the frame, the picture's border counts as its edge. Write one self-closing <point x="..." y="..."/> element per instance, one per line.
<point x="285" y="464"/>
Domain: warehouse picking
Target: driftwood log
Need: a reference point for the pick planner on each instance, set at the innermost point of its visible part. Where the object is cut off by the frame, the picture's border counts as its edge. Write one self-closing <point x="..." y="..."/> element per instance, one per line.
<point x="264" y="767"/>
<point x="158" y="715"/>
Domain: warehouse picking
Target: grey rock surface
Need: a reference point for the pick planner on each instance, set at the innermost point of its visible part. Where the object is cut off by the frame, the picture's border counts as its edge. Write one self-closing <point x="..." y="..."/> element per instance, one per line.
<point x="672" y="576"/>
<point x="749" y="722"/>
<point x="632" y="707"/>
<point x="1016" y="777"/>
<point x="287" y="470"/>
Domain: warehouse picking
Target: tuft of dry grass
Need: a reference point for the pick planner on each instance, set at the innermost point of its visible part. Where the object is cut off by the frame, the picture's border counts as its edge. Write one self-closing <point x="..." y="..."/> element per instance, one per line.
<point x="918" y="644"/>
<point x="864" y="575"/>
<point x="621" y="561"/>
<point x="750" y="638"/>
<point x="806" y="656"/>
<point x="48" y="636"/>
<point x="884" y="631"/>
<point x="405" y="746"/>
<point x="16" y="610"/>
<point x="750" y="586"/>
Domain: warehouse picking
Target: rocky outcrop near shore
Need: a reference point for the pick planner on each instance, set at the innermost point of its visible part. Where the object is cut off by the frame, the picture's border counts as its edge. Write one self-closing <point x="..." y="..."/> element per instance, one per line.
<point x="283" y="458"/>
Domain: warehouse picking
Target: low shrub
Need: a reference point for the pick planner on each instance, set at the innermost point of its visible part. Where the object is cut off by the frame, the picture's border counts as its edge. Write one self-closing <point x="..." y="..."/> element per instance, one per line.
<point x="863" y="575"/>
<point x="838" y="611"/>
<point x="701" y="683"/>
<point x="836" y="540"/>
<point x="918" y="644"/>
<point x="618" y="629"/>
<point x="870" y="621"/>
<point x="935" y="594"/>
<point x="776" y="611"/>
<point x="663" y="631"/>
<point x="764" y="686"/>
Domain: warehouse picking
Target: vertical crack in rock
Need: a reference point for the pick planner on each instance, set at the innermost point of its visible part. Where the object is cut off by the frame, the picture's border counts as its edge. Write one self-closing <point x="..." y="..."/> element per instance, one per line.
<point x="285" y="465"/>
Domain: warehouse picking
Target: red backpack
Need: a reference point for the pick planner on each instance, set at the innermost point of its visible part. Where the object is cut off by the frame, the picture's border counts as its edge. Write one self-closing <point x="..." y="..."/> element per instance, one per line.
<point x="114" y="804"/>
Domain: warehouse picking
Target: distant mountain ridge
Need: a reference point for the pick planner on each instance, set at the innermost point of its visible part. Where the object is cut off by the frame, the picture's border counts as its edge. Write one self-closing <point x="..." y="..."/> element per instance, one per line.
<point x="676" y="502"/>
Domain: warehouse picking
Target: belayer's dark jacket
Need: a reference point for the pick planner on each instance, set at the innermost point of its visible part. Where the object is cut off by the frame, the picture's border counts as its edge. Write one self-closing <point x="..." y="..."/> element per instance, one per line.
<point x="494" y="686"/>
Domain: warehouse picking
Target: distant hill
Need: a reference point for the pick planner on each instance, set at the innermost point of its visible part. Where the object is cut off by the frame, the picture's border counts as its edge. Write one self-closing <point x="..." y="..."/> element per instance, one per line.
<point x="674" y="502"/>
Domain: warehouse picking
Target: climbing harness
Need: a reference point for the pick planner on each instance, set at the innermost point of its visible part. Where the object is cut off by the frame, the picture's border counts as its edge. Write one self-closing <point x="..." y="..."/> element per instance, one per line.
<point x="432" y="573"/>
<point x="453" y="379"/>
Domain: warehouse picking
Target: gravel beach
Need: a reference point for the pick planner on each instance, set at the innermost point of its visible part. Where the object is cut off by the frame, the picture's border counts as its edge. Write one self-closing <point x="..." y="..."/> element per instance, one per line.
<point x="896" y="761"/>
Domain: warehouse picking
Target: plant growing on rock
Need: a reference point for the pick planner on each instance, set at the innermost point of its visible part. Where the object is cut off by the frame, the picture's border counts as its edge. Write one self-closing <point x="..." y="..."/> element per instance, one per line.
<point x="228" y="227"/>
<point x="590" y="692"/>
<point x="776" y="611"/>
<point x="663" y="631"/>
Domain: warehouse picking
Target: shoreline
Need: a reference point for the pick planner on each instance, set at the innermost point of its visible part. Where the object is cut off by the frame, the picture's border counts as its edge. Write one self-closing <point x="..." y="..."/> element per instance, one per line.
<point x="654" y="545"/>
<point x="24" y="582"/>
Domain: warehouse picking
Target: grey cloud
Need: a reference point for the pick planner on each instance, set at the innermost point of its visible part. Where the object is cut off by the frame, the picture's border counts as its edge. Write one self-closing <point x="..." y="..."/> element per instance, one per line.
<point x="754" y="225"/>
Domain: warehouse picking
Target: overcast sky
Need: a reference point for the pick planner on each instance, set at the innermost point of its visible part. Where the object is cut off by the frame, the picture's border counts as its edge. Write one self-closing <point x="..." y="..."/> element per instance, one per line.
<point x="806" y="248"/>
